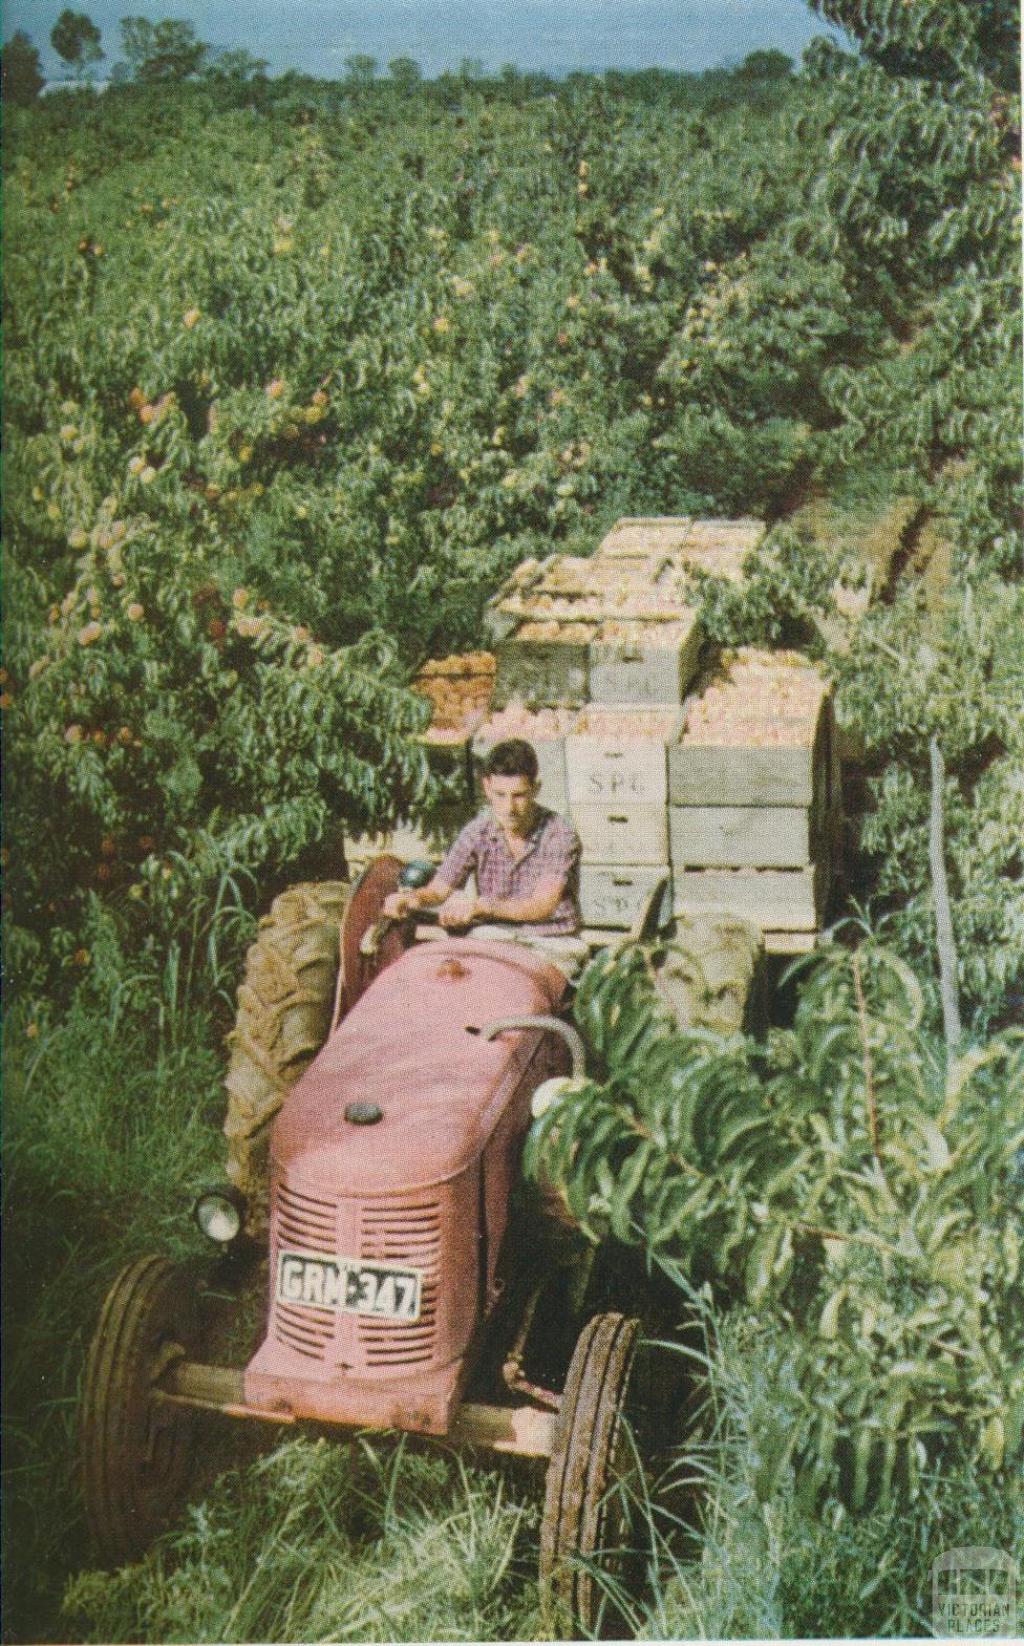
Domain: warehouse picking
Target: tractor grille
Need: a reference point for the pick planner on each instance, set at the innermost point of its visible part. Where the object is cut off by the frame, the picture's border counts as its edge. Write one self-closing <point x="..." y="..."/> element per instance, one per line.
<point x="304" y="1223"/>
<point x="402" y="1234"/>
<point x="409" y="1235"/>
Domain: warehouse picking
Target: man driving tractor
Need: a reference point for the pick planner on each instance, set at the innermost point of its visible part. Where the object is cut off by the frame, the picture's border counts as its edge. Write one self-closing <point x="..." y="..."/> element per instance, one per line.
<point x="525" y="859"/>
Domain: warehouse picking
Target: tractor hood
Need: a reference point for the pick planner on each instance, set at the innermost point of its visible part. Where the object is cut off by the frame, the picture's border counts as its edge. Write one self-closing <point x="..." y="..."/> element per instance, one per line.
<point x="405" y="1049"/>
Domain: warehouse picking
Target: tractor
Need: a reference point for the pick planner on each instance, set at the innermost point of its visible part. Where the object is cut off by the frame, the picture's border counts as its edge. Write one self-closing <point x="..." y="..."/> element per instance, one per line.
<point x="412" y="1284"/>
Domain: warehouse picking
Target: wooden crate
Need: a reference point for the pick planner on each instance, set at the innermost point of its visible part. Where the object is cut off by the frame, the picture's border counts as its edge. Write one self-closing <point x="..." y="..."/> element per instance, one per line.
<point x="728" y="537"/>
<point x="742" y="776"/>
<point x="581" y="577"/>
<point x="613" y="896"/>
<point x="717" y="546"/>
<point x="779" y="900"/>
<point x="755" y="837"/>
<point x="635" y="662"/>
<point x="621" y="766"/>
<point x="545" y="663"/>
<point x="622" y="834"/>
<point x="636" y="537"/>
<point x="550" y="760"/>
<point x="757" y="733"/>
<point x="651" y="592"/>
<point x="500" y="620"/>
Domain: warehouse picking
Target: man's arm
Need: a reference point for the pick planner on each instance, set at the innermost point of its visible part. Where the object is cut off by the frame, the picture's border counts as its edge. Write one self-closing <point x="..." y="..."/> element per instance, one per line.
<point x="452" y="873"/>
<point x="539" y="905"/>
<point x="410" y="898"/>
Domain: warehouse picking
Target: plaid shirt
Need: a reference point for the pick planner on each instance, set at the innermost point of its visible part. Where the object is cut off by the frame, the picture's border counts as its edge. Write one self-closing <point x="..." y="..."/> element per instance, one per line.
<point x="552" y="853"/>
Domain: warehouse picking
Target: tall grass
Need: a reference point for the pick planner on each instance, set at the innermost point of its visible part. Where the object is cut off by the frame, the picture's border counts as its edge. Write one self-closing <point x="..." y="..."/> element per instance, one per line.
<point x="104" y="1148"/>
<point x="326" y="1540"/>
<point x="386" y="1540"/>
<point x="112" y="1118"/>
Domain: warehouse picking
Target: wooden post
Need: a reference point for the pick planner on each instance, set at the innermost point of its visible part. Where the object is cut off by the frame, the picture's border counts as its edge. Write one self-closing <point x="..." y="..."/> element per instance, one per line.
<point x="944" y="938"/>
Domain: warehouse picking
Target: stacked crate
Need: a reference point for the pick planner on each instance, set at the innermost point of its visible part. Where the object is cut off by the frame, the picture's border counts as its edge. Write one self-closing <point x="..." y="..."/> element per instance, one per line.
<point x="752" y="795"/>
<point x="724" y="788"/>
<point x="617" y="783"/>
<point x="594" y="660"/>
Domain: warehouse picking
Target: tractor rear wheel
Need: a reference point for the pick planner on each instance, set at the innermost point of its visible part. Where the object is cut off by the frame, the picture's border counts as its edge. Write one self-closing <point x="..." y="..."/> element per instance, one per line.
<point x="584" y="1517"/>
<point x="284" y="1014"/>
<point x="136" y="1449"/>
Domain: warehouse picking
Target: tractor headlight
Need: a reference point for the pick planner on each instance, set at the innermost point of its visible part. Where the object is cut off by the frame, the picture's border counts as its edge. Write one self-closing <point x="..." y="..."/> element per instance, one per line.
<point x="219" y="1213"/>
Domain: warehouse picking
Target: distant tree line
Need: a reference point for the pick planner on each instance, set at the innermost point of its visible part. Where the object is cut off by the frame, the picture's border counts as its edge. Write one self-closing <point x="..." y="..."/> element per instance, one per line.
<point x="169" y="51"/>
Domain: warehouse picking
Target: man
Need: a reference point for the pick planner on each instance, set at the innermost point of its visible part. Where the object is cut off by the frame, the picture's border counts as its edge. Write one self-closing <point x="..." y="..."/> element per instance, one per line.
<point x="526" y="862"/>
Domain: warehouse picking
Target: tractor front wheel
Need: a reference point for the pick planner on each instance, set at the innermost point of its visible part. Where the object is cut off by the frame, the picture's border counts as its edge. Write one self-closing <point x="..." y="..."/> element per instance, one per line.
<point x="136" y="1448"/>
<point x="583" y="1511"/>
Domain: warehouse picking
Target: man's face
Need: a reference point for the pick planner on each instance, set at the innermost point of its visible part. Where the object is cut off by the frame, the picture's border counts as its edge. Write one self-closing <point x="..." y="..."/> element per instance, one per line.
<point x="512" y="800"/>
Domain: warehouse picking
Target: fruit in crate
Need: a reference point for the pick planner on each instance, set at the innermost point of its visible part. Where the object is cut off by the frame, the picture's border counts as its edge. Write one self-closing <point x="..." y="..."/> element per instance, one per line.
<point x="717" y="559"/>
<point x="625" y="725"/>
<point x="459" y="691"/>
<point x="768" y="699"/>
<point x="630" y="633"/>
<point x="535" y="725"/>
<point x="562" y="634"/>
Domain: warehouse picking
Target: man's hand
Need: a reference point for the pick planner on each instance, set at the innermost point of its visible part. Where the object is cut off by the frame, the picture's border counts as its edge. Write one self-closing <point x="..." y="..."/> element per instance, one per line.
<point x="459" y="910"/>
<point x="398" y="904"/>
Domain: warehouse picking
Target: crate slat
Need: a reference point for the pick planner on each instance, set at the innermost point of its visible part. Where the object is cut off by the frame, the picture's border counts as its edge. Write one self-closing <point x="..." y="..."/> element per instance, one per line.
<point x="742" y="776"/>
<point x="623" y="766"/>
<point x="632" y="538"/>
<point x="536" y="670"/>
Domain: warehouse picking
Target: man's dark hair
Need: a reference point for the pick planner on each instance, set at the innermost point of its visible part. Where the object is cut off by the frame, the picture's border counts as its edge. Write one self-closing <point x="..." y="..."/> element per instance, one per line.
<point x="512" y="758"/>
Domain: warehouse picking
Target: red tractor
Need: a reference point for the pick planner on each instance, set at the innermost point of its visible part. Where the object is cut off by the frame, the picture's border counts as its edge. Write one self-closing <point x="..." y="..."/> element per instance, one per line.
<point x="405" y="1291"/>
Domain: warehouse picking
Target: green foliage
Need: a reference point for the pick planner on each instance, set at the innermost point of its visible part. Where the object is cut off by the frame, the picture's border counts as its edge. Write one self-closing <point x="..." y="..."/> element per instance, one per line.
<point x="405" y="72"/>
<point x="294" y="374"/>
<point x="165" y="52"/>
<point x="937" y="39"/>
<point x="842" y="1179"/>
<point x="282" y="407"/>
<point x="905" y="252"/>
<point x="171" y="735"/>
<point x="111" y="1126"/>
<point x="787" y="596"/>
<point x="775" y="1569"/>
<point x="766" y="65"/>
<point x="237" y="65"/>
<point x="20" y="70"/>
<point x="76" y="39"/>
<point x="360" y="69"/>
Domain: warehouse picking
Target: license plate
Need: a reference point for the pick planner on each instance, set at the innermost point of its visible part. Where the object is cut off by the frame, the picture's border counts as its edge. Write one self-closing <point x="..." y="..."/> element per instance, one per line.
<point x="384" y="1290"/>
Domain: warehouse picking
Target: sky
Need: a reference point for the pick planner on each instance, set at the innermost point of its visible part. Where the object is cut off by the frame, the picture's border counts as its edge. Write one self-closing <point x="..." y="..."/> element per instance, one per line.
<point x="316" y="36"/>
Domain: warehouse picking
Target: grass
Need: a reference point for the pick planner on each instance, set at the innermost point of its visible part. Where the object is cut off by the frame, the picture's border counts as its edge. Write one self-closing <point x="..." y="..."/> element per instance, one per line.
<point x="323" y="1540"/>
<point x="104" y="1147"/>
